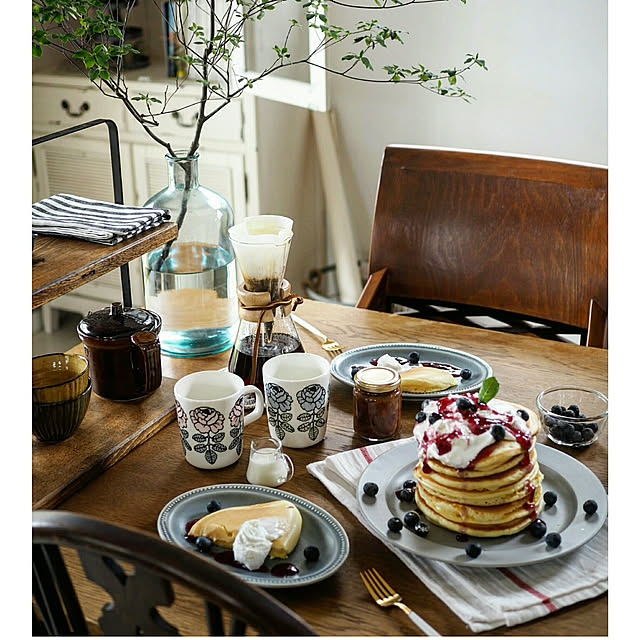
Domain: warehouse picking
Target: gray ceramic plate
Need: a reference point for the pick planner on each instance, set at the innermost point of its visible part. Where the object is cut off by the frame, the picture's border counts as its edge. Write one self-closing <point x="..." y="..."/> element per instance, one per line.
<point x="319" y="528"/>
<point x="341" y="365"/>
<point x="570" y="479"/>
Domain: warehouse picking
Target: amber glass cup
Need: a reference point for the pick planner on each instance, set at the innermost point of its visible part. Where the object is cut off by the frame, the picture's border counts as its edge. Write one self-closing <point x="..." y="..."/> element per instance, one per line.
<point x="56" y="377"/>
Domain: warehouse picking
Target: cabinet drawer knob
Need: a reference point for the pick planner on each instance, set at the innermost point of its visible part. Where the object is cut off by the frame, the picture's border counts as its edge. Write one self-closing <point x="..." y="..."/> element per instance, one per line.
<point x="74" y="114"/>
<point x="177" y="118"/>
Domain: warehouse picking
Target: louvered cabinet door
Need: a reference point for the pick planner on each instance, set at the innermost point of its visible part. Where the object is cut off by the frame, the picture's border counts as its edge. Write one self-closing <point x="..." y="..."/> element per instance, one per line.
<point x="82" y="167"/>
<point x="220" y="171"/>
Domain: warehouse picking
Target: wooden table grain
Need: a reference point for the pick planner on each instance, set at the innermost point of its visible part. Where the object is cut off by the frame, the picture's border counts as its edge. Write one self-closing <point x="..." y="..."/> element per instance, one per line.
<point x="134" y="490"/>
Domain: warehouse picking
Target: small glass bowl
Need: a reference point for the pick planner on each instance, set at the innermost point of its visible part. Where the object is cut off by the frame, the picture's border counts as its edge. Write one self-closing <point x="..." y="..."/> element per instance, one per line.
<point x="566" y="427"/>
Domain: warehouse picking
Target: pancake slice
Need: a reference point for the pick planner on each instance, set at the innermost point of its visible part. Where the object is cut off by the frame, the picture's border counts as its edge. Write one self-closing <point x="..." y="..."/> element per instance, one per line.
<point x="426" y="379"/>
<point x="222" y="526"/>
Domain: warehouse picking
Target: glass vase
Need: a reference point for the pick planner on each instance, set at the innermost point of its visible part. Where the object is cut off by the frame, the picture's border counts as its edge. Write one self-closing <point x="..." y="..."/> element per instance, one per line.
<point x="191" y="281"/>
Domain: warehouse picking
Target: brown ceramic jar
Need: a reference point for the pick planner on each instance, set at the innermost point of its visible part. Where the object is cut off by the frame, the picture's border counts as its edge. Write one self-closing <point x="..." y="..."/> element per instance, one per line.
<point x="123" y="350"/>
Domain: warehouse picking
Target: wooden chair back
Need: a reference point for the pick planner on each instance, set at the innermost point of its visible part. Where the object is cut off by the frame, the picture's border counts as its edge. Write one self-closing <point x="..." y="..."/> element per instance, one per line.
<point x="131" y="606"/>
<point x="486" y="232"/>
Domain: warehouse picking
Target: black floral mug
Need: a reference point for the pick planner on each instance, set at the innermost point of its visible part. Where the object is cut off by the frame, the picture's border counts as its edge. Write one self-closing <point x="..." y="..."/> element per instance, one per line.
<point x="296" y="395"/>
<point x="210" y="412"/>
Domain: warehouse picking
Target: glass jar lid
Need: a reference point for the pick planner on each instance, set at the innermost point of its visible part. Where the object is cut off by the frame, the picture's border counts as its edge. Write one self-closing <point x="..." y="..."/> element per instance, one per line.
<point x="116" y="321"/>
<point x="377" y="379"/>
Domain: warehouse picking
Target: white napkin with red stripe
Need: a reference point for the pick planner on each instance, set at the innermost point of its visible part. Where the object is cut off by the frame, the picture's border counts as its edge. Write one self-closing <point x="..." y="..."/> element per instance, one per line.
<point x="483" y="598"/>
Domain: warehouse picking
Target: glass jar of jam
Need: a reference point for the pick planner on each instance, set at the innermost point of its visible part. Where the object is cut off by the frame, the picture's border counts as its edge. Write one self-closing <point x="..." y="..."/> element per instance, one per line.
<point x="377" y="403"/>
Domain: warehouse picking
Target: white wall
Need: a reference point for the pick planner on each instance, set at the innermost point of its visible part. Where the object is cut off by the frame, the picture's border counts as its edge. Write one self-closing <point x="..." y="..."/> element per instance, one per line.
<point x="545" y="93"/>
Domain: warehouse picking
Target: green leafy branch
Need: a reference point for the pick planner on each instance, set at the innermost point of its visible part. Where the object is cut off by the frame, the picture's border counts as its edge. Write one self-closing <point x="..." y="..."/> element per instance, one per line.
<point x="93" y="39"/>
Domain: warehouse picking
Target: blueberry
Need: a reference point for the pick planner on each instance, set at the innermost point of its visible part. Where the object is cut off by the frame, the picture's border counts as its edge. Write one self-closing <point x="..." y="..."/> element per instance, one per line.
<point x="498" y="432"/>
<point x="421" y="416"/>
<point x="214" y="505"/>
<point x="421" y="529"/>
<point x="523" y="414"/>
<point x="590" y="507"/>
<point x="577" y="436"/>
<point x="550" y="498"/>
<point x="557" y="409"/>
<point x="553" y="539"/>
<point x="409" y="484"/>
<point x="575" y="408"/>
<point x="354" y="369"/>
<point x="204" y="544"/>
<point x="370" y="489"/>
<point x="411" y="519"/>
<point x="473" y="550"/>
<point x="414" y="357"/>
<point x="568" y="413"/>
<point x="465" y="374"/>
<point x="311" y="553"/>
<point x="406" y="495"/>
<point x="538" y="528"/>
<point x="591" y="425"/>
<point x="587" y="434"/>
<point x="394" y="524"/>
<point x="434" y="417"/>
<point x="557" y="432"/>
<point x="464" y="404"/>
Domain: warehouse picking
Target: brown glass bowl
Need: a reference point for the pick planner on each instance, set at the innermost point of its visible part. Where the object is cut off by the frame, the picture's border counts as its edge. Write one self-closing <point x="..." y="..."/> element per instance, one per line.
<point x="56" y="421"/>
<point x="56" y="377"/>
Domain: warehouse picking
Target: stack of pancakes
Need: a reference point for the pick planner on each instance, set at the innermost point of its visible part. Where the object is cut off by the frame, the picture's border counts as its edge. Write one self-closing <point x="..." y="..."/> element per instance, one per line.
<point x="498" y="494"/>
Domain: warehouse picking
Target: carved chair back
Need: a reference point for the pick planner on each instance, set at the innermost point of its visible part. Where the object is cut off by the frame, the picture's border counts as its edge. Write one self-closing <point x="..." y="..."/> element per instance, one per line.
<point x="134" y="595"/>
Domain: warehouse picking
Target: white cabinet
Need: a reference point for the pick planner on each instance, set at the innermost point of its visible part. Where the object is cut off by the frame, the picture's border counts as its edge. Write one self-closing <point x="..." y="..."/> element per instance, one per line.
<point x="80" y="164"/>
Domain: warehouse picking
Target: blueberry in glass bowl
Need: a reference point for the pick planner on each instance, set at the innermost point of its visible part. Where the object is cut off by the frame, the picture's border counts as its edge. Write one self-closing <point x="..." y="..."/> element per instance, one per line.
<point x="573" y="416"/>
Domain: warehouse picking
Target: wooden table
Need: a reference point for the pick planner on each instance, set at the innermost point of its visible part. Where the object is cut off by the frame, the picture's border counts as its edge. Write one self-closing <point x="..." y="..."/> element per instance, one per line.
<point x="136" y="488"/>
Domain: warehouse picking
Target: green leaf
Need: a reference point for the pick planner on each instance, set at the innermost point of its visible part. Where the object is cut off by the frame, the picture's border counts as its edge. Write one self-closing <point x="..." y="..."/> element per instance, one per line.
<point x="36" y="50"/>
<point x="489" y="389"/>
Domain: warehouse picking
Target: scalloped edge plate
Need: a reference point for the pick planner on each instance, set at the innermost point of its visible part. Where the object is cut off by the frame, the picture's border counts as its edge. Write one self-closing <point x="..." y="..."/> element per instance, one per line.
<point x="319" y="528"/>
<point x="341" y="365"/>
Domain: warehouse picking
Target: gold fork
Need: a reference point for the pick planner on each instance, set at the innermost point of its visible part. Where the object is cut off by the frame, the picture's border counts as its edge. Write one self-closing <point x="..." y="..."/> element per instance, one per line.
<point x="385" y="596"/>
<point x="332" y="347"/>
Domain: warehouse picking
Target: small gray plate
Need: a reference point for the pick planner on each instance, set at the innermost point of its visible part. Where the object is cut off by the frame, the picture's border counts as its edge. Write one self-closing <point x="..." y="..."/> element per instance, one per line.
<point x="341" y="365"/>
<point x="571" y="480"/>
<point x="319" y="528"/>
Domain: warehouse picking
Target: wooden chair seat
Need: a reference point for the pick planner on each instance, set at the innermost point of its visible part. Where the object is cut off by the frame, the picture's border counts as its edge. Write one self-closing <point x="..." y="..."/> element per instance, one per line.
<point x="522" y="240"/>
<point x="131" y="606"/>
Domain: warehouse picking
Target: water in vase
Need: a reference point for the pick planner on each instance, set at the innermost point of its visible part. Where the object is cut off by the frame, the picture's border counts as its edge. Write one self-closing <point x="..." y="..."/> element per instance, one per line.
<point x="194" y="292"/>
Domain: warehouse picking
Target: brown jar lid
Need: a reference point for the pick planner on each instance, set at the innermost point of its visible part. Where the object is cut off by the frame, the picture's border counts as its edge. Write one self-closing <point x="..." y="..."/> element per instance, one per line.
<point x="116" y="321"/>
<point x="377" y="379"/>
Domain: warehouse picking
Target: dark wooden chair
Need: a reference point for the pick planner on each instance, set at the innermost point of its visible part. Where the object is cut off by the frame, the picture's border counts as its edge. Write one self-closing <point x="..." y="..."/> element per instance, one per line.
<point x="135" y="596"/>
<point x="521" y="240"/>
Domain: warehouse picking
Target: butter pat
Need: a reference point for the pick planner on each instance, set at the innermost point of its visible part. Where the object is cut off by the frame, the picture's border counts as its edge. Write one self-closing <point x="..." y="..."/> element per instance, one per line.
<point x="223" y="526"/>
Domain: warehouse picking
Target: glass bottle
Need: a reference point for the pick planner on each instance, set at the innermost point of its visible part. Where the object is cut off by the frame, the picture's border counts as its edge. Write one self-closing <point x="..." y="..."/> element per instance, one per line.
<point x="191" y="282"/>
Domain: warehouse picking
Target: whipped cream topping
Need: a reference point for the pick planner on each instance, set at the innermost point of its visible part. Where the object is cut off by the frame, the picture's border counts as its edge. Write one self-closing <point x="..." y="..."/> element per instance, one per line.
<point x="391" y="363"/>
<point x="458" y="437"/>
<point x="253" y="541"/>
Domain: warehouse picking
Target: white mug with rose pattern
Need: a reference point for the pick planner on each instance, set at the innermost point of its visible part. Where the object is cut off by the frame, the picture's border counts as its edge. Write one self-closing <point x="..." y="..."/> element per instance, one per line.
<point x="210" y="412"/>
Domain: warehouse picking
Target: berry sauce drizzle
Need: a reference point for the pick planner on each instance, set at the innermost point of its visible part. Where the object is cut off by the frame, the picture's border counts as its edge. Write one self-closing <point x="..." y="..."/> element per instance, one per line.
<point x="456" y="372"/>
<point x="447" y="407"/>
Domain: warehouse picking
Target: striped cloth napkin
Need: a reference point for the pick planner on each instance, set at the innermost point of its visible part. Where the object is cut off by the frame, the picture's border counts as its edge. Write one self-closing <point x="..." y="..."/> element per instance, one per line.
<point x="483" y="598"/>
<point x="92" y="220"/>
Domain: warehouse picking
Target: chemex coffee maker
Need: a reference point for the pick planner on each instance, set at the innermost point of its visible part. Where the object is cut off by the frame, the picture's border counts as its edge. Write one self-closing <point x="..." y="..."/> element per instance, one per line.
<point x="261" y="244"/>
